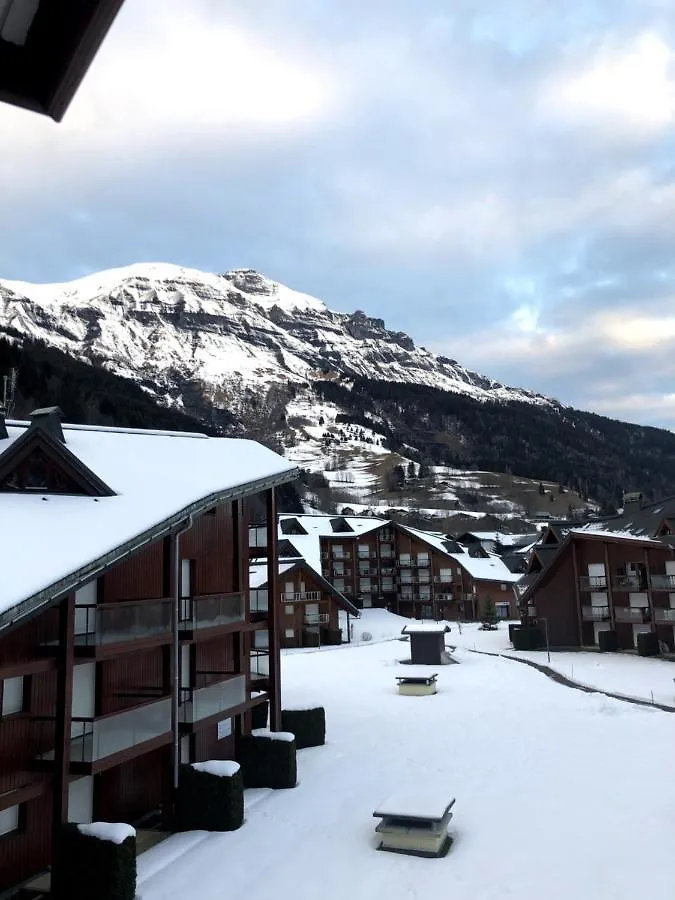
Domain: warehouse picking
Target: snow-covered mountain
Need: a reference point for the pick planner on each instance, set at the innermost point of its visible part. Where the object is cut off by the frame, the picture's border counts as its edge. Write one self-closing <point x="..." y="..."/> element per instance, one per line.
<point x="182" y="333"/>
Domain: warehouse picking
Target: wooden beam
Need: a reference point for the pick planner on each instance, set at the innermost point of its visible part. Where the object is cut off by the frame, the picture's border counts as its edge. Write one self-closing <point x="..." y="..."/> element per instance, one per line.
<point x="577" y="592"/>
<point x="273" y="613"/>
<point x="64" y="710"/>
<point x="610" y="592"/>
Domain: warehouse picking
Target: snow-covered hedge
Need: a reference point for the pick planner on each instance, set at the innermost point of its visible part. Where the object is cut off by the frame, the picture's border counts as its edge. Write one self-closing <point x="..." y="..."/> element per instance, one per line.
<point x="96" y="860"/>
<point x="268" y="759"/>
<point x="210" y="797"/>
<point x="308" y="725"/>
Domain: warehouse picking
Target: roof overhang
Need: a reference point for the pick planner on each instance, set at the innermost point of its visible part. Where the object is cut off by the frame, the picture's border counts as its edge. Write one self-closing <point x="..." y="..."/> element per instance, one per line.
<point x="46" y="48"/>
<point x="30" y="606"/>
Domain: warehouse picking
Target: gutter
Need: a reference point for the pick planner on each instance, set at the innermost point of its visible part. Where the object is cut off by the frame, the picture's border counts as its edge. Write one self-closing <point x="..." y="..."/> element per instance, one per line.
<point x="56" y="591"/>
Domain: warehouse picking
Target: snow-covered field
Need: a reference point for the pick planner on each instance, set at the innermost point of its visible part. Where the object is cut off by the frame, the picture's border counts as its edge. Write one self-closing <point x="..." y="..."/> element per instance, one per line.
<point x="560" y="794"/>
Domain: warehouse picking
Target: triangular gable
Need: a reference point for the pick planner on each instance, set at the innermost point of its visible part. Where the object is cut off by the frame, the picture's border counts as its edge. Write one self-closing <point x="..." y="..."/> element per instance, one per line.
<point x="37" y="464"/>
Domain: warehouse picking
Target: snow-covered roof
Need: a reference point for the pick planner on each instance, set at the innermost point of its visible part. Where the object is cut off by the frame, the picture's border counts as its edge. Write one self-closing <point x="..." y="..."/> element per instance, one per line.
<point x="491" y="569"/>
<point x="157" y="476"/>
<point x="309" y="545"/>
<point x="435" y="539"/>
<point x="614" y="535"/>
<point x="257" y="574"/>
<point x="425" y="628"/>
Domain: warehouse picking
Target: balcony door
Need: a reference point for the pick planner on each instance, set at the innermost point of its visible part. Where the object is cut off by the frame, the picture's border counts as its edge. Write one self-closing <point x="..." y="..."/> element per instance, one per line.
<point x="85" y="617"/>
<point x="289" y="590"/>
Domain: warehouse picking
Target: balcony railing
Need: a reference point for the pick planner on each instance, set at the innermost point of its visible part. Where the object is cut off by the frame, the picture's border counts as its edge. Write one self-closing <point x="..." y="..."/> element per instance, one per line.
<point x="385" y="537"/>
<point x="663" y="583"/>
<point x="664" y="616"/>
<point x="367" y="554"/>
<point x="214" y="610"/>
<point x="260" y="663"/>
<point x="367" y="573"/>
<point x="200" y="703"/>
<point x="405" y="562"/>
<point x="422" y="562"/>
<point x="445" y="598"/>
<point x="114" y="623"/>
<point x="593" y="583"/>
<point x="632" y="614"/>
<point x="595" y="613"/>
<point x="339" y="572"/>
<point x="95" y="739"/>
<point x="367" y="588"/>
<point x="317" y="619"/>
<point x="386" y="553"/>
<point x="442" y="579"/>
<point x="387" y="570"/>
<point x="342" y="554"/>
<point x="300" y="596"/>
<point x="629" y="583"/>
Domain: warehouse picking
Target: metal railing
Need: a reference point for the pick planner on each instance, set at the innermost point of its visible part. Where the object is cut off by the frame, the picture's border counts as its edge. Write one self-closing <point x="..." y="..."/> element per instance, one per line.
<point x="214" y="610"/>
<point x="445" y="598"/>
<point x="422" y="562"/>
<point x="367" y="554"/>
<point x="593" y="582"/>
<point x="317" y="619"/>
<point x="629" y="583"/>
<point x="339" y="572"/>
<point x="113" y="623"/>
<point x="595" y="613"/>
<point x="200" y="703"/>
<point x="442" y="579"/>
<point x="663" y="582"/>
<point x="299" y="596"/>
<point x="664" y="615"/>
<point x="385" y="537"/>
<point x="632" y="614"/>
<point x="367" y="573"/>
<point x="405" y="562"/>
<point x="367" y="588"/>
<point x="94" y="739"/>
<point x="387" y="570"/>
<point x="343" y="554"/>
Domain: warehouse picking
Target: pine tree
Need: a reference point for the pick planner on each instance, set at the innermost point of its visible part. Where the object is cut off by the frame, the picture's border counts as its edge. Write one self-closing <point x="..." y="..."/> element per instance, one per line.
<point x="489" y="619"/>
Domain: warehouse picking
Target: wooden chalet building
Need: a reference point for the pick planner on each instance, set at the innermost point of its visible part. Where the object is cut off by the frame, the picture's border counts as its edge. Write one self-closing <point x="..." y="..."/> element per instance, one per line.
<point x="597" y="580"/>
<point x="376" y="562"/>
<point x="310" y="606"/>
<point x="126" y="634"/>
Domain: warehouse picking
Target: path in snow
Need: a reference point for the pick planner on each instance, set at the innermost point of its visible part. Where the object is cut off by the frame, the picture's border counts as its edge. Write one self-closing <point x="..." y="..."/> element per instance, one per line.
<point x="559" y="793"/>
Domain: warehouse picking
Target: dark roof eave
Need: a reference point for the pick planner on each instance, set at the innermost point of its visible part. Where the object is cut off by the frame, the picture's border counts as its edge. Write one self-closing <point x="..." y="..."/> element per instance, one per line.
<point x="56" y="591"/>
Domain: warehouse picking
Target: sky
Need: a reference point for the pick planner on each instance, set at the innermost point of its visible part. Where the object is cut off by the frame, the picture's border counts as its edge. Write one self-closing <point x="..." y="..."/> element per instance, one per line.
<point x="494" y="177"/>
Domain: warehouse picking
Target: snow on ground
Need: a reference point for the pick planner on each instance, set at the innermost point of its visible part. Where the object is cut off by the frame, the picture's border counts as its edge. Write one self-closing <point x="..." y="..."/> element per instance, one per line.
<point x="560" y="794"/>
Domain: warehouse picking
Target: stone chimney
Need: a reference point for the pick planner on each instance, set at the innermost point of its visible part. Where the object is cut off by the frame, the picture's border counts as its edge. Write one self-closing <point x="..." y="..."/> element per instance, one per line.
<point x="49" y="419"/>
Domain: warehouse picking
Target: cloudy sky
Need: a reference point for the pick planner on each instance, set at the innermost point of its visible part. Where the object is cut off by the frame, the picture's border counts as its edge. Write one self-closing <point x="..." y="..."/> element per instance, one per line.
<point x="495" y="177"/>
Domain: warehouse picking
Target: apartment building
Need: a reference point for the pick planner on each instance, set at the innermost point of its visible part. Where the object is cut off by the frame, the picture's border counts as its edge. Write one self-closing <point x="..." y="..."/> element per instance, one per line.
<point x="126" y="634"/>
<point x="598" y="580"/>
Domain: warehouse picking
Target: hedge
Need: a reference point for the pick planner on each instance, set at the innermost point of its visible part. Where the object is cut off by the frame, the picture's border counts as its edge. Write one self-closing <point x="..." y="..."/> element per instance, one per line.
<point x="331" y="636"/>
<point x="267" y="759"/>
<point x="208" y="802"/>
<point x="608" y="641"/>
<point x="311" y="639"/>
<point x="85" y="867"/>
<point x="647" y="644"/>
<point x="528" y="638"/>
<point x="308" y="726"/>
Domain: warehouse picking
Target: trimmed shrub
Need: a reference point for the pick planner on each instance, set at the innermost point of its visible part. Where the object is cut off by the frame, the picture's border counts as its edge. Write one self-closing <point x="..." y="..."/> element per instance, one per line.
<point x="268" y="760"/>
<point x="259" y="715"/>
<point x="512" y="627"/>
<point x="608" y="641"/>
<point x="528" y="638"/>
<point x="311" y="639"/>
<point x="647" y="644"/>
<point x="206" y="801"/>
<point x="84" y="866"/>
<point x="308" y="726"/>
<point x="331" y="636"/>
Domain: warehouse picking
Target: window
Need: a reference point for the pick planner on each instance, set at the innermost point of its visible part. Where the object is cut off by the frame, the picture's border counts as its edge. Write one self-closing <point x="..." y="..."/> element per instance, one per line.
<point x="289" y="610"/>
<point x="503" y="587"/>
<point x="290" y="632"/>
<point x="10" y="820"/>
<point x="12" y="695"/>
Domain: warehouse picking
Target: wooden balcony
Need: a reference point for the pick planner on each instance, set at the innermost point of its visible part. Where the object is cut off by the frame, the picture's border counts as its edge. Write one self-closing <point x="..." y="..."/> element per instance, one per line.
<point x="629" y="583"/>
<point x="107" y="629"/>
<point x="210" y="611"/>
<point x="664" y="615"/>
<point x="317" y="619"/>
<point x="632" y="614"/>
<point x="200" y="705"/>
<point x="593" y="583"/>
<point x="301" y="597"/>
<point x="663" y="583"/>
<point x="367" y="573"/>
<point x="367" y="554"/>
<point x="595" y="613"/>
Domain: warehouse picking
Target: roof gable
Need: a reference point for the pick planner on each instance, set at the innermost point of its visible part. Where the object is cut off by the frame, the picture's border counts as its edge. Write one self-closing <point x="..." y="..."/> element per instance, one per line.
<point x="37" y="463"/>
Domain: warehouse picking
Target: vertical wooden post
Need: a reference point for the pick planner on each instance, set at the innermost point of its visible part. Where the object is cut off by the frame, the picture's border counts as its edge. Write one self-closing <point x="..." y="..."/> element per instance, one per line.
<point x="650" y="596"/>
<point x="577" y="592"/>
<point x="273" y="613"/>
<point x="64" y="712"/>
<point x="610" y="593"/>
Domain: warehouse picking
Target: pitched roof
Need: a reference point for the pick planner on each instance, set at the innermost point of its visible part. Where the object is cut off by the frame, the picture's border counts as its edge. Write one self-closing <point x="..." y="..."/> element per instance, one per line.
<point x="159" y="479"/>
<point x="315" y="527"/>
<point x="641" y="521"/>
<point x="258" y="579"/>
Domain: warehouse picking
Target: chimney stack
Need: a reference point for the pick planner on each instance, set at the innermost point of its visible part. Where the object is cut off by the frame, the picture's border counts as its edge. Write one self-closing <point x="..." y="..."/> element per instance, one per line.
<point x="49" y="420"/>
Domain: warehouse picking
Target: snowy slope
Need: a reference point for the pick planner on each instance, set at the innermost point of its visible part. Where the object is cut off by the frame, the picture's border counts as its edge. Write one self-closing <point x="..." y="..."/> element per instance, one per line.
<point x="177" y="329"/>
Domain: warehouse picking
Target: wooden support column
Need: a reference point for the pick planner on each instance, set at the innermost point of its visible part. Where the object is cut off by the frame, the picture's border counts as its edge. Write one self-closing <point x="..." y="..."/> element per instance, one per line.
<point x="239" y="548"/>
<point x="610" y="593"/>
<point x="64" y="711"/>
<point x="273" y="613"/>
<point x="650" y="597"/>
<point x="577" y="592"/>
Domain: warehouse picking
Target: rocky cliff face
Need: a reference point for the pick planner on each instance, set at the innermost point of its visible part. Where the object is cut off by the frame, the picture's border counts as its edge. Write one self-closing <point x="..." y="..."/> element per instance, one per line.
<point x="196" y="339"/>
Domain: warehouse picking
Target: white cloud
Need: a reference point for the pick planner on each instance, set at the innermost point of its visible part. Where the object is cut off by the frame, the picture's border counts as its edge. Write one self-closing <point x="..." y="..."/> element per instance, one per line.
<point x="631" y="88"/>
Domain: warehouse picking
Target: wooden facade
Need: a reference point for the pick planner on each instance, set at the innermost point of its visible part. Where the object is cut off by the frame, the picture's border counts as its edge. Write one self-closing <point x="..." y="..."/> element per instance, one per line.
<point x="598" y="582"/>
<point x="87" y="694"/>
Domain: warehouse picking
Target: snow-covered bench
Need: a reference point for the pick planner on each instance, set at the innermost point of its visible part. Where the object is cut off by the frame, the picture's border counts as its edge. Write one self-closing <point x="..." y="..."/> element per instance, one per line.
<point x="417" y="685"/>
<point x="415" y="822"/>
